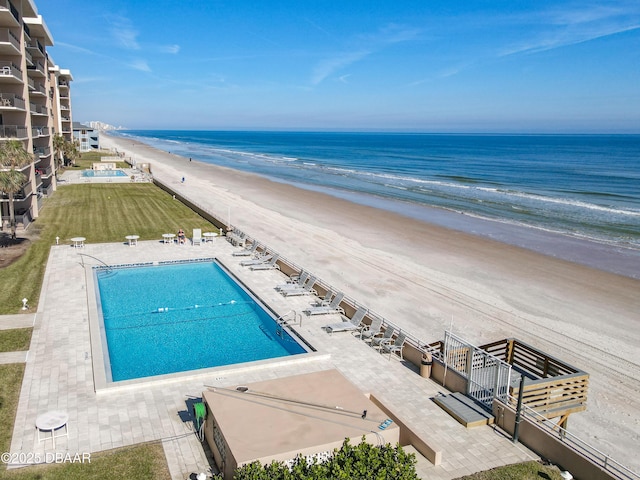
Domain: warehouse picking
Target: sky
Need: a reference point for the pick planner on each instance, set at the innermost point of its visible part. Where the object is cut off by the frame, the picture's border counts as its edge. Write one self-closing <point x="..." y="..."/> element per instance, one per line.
<point x="385" y="65"/>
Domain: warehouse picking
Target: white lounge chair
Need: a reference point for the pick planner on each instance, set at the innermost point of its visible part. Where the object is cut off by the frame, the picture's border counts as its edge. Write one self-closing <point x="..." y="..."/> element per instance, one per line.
<point x="354" y="323"/>
<point x="372" y="330"/>
<point x="197" y="236"/>
<point x="333" y="307"/>
<point x="396" y="347"/>
<point x="376" y="342"/>
<point x="326" y="300"/>
<point x="257" y="261"/>
<point x="295" y="282"/>
<point x="267" y="265"/>
<point x="306" y="289"/>
<point x="247" y="252"/>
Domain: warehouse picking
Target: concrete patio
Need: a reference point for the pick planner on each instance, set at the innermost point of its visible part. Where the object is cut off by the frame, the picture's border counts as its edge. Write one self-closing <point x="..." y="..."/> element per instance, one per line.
<point x="59" y="374"/>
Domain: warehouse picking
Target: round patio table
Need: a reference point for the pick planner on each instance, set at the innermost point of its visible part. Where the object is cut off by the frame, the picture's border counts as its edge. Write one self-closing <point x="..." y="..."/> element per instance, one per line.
<point x="50" y="422"/>
<point x="133" y="239"/>
<point x="168" y="237"/>
<point x="78" y="241"/>
<point x="208" y="236"/>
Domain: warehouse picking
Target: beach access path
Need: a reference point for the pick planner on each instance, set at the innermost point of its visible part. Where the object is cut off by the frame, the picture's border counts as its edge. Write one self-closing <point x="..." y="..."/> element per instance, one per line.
<point x="428" y="279"/>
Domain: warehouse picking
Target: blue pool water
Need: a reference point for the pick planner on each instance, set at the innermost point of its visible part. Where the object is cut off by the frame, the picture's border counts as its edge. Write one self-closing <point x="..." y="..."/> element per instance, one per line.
<point x="181" y="317"/>
<point x="103" y="173"/>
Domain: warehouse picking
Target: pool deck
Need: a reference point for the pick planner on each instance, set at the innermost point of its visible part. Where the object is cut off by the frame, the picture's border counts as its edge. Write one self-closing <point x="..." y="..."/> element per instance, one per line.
<point x="59" y="374"/>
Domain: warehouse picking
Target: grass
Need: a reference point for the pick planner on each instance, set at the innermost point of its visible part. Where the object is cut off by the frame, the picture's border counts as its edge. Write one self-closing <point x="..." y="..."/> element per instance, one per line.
<point x="11" y="381"/>
<point x="518" y="471"/>
<point x="15" y="340"/>
<point x="87" y="159"/>
<point x="140" y="462"/>
<point x="101" y="212"/>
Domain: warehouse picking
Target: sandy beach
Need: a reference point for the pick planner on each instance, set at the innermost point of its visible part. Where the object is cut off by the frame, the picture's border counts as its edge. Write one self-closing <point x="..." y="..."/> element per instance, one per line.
<point x="427" y="279"/>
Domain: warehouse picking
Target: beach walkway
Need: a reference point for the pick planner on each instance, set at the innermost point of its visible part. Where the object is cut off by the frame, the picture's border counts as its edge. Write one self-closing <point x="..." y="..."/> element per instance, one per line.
<point x="59" y="375"/>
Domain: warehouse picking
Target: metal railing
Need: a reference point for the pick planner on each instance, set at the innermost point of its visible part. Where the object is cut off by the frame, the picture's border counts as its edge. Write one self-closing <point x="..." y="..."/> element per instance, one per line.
<point x="13" y="131"/>
<point x="11" y="100"/>
<point x="588" y="451"/>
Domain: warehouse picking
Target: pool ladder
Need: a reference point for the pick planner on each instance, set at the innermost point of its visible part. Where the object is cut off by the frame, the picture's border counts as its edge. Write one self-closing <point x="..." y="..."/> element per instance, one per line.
<point x="290" y="318"/>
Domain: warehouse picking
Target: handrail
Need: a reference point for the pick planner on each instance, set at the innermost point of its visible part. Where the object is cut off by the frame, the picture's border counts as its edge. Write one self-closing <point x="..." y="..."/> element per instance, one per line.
<point x="601" y="459"/>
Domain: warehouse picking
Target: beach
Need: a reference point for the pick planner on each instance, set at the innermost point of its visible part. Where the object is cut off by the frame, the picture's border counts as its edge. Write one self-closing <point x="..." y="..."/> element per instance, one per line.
<point x="427" y="279"/>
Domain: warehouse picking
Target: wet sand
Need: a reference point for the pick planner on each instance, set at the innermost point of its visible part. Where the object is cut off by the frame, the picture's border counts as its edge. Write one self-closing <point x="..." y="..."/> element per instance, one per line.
<point x="427" y="279"/>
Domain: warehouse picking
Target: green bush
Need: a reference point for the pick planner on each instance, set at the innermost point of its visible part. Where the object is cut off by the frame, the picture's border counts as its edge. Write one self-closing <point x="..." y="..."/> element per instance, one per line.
<point x="363" y="461"/>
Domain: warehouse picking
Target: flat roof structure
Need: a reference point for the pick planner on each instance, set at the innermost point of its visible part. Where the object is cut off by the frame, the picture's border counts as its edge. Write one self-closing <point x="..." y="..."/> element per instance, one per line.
<point x="309" y="414"/>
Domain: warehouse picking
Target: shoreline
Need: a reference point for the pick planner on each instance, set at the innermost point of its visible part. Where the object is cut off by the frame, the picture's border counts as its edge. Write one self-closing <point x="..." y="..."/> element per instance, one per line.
<point x="426" y="279"/>
<point x="602" y="255"/>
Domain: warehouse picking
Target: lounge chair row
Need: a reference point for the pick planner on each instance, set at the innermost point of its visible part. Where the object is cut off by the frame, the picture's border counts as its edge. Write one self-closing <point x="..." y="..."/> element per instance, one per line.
<point x="386" y="341"/>
<point x="237" y="238"/>
<point x="268" y="261"/>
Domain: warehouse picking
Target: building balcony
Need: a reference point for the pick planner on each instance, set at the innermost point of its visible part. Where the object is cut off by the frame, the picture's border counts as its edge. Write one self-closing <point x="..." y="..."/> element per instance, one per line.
<point x="38" y="89"/>
<point x="42" y="151"/>
<point x="10" y="101"/>
<point x="9" y="43"/>
<point x="38" y="109"/>
<point x="9" y="14"/>
<point x="37" y="69"/>
<point x="13" y="131"/>
<point x="44" y="173"/>
<point x="10" y="73"/>
<point x="28" y="58"/>
<point x="36" y="49"/>
<point x="40" y="132"/>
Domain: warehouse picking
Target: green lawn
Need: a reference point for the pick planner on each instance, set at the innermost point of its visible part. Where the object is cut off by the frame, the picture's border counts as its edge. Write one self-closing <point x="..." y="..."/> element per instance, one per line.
<point x="15" y="340"/>
<point x="10" y="381"/>
<point x="518" y="471"/>
<point x="140" y="462"/>
<point x="101" y="212"/>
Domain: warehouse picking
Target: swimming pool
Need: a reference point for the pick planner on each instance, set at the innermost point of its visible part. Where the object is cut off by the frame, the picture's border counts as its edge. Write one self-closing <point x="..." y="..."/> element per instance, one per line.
<point x="103" y="173"/>
<point x="178" y="317"/>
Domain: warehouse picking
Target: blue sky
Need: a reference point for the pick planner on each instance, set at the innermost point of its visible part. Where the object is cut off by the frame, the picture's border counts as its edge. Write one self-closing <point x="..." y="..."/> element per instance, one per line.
<point x="434" y="66"/>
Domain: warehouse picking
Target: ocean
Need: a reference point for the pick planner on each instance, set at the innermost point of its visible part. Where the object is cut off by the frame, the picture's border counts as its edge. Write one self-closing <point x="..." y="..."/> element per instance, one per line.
<point x="580" y="187"/>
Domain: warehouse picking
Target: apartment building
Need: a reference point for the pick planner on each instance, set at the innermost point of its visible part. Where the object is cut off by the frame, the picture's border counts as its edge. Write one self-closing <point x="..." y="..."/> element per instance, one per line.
<point x="35" y="103"/>
<point x="86" y="136"/>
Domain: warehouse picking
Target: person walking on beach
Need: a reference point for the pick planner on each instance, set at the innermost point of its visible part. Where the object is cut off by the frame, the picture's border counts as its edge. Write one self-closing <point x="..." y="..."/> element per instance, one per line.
<point x="182" y="179"/>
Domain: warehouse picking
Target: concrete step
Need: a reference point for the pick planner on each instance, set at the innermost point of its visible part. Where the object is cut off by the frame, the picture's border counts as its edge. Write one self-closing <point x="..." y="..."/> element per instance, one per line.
<point x="464" y="409"/>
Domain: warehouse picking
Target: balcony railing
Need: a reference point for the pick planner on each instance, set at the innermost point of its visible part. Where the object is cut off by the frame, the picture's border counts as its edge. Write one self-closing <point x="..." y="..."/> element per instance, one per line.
<point x="7" y="5"/>
<point x="10" y="100"/>
<point x="42" y="151"/>
<point x="38" y="109"/>
<point x="36" y="47"/>
<point x="9" y="69"/>
<point x="44" y="172"/>
<point x="40" y="131"/>
<point x="13" y="131"/>
<point x="28" y="58"/>
<point x="39" y="88"/>
<point x="7" y="36"/>
<point x="36" y="67"/>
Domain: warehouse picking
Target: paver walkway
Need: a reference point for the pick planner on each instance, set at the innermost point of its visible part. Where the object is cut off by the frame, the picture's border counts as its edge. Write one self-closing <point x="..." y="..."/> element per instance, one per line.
<point x="59" y="374"/>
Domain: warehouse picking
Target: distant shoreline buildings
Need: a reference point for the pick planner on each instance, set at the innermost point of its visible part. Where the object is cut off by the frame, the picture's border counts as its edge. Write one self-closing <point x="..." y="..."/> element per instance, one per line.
<point x="35" y="105"/>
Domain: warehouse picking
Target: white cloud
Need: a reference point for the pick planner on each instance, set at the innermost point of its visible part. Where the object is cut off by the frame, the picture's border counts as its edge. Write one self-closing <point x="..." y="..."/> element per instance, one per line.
<point x="173" y="49"/>
<point x="140" y="65"/>
<point x="123" y="32"/>
<point x="327" y="67"/>
<point x="366" y="44"/>
<point x="562" y="28"/>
